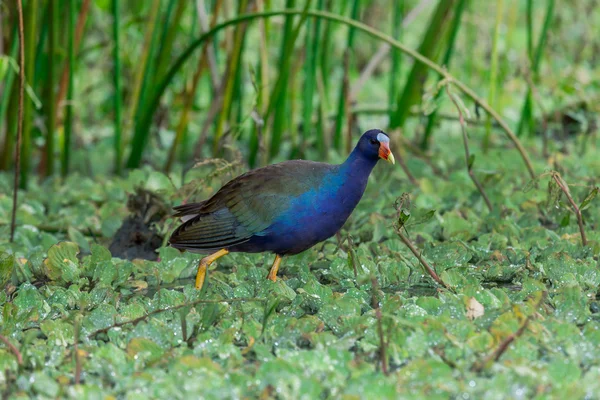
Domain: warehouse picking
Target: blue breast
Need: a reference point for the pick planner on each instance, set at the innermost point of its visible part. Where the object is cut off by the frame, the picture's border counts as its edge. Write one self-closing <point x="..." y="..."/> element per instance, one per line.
<point x="315" y="215"/>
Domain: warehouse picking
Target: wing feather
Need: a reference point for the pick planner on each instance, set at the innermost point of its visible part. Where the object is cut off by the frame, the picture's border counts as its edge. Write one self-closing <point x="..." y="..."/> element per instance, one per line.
<point x="245" y="206"/>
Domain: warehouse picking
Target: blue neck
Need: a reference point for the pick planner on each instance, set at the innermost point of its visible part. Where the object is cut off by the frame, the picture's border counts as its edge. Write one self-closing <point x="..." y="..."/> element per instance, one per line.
<point x="358" y="167"/>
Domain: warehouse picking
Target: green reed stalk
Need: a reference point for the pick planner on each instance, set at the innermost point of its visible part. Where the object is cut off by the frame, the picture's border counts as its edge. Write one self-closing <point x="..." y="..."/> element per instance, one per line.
<point x="230" y="75"/>
<point x="279" y="104"/>
<point x="168" y="38"/>
<point x="30" y="32"/>
<point x="5" y="102"/>
<point x="395" y="70"/>
<point x="493" y="72"/>
<point x="154" y="102"/>
<point x="143" y="61"/>
<point x="66" y="155"/>
<point x="411" y="94"/>
<point x="117" y="85"/>
<point x="51" y="83"/>
<point x="147" y="82"/>
<point x="343" y="93"/>
<point x="40" y="66"/>
<point x="189" y="98"/>
<point x="535" y="58"/>
<point x="313" y="32"/>
<point x="452" y="33"/>
<point x="258" y="133"/>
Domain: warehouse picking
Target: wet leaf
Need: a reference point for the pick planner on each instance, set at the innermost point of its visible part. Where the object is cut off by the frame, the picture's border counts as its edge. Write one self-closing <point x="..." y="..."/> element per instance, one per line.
<point x="62" y="264"/>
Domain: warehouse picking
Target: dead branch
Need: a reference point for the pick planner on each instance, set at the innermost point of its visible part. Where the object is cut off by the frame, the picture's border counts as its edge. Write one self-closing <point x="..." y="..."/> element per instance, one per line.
<point x="11" y="346"/>
<point x="494" y="356"/>
<point x="378" y="316"/>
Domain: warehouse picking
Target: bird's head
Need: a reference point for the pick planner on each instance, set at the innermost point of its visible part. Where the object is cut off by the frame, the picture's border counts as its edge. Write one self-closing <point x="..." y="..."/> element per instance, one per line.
<point x="375" y="144"/>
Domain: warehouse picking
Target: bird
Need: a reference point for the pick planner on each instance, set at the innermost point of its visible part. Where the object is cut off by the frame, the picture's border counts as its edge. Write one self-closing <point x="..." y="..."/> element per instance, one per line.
<point x="284" y="208"/>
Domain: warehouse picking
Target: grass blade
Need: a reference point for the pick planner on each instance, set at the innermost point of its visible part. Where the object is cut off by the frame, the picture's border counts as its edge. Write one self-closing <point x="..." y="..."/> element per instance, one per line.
<point x="13" y="220"/>
<point x="535" y="60"/>
<point x="230" y="78"/>
<point x="493" y="72"/>
<point x="397" y="17"/>
<point x="143" y="61"/>
<point x="30" y="32"/>
<point x="277" y="102"/>
<point x="66" y="156"/>
<point x="78" y="35"/>
<point x="452" y="33"/>
<point x="171" y="25"/>
<point x="411" y="94"/>
<point x="50" y="87"/>
<point x="344" y="89"/>
<point x="117" y="85"/>
<point x="257" y="139"/>
<point x="189" y="97"/>
<point x="310" y="66"/>
<point x="8" y="94"/>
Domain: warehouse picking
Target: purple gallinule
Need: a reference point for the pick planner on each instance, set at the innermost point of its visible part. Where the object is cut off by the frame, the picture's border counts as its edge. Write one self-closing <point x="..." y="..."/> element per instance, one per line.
<point x="283" y="208"/>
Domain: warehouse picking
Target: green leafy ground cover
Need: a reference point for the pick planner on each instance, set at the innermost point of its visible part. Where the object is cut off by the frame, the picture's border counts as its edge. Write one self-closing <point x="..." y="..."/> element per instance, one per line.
<point x="89" y="325"/>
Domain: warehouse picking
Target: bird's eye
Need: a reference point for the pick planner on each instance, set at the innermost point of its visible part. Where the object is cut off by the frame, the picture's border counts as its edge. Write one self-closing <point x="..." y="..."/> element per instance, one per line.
<point x="373" y="141"/>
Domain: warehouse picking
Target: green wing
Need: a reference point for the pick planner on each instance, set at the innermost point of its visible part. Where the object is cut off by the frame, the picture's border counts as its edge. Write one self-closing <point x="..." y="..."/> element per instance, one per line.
<point x="246" y="205"/>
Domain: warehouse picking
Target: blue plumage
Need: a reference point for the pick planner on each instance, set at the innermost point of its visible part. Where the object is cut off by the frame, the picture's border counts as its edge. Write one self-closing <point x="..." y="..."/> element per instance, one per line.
<point x="283" y="208"/>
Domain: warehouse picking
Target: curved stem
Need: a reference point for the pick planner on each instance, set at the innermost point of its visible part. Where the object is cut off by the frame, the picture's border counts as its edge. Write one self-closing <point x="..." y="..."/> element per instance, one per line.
<point x="142" y="130"/>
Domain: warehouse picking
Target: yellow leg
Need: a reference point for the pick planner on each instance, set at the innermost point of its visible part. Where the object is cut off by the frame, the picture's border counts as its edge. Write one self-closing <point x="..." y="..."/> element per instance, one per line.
<point x="273" y="272"/>
<point x="204" y="263"/>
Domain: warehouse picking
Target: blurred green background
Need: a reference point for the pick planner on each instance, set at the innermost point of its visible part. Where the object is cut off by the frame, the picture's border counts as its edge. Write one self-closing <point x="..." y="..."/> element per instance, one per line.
<point x="132" y="107"/>
<point x="115" y="85"/>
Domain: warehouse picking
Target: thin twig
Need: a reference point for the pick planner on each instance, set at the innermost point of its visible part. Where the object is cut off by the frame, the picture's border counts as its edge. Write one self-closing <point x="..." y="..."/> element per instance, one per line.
<point x="177" y="307"/>
<point x="77" y="331"/>
<point x="423" y="262"/>
<point x="402" y="203"/>
<point x="8" y="344"/>
<point x="468" y="160"/>
<point x="13" y="220"/>
<point x="382" y="342"/>
<point x="494" y="356"/>
<point x="565" y="188"/>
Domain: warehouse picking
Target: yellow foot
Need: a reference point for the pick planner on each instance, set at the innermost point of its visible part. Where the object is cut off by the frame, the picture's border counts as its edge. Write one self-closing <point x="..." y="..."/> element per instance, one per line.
<point x="273" y="272"/>
<point x="203" y="266"/>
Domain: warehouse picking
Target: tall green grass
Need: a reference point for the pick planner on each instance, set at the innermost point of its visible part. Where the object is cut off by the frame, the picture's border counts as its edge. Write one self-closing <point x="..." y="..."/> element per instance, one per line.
<point x="395" y="70"/>
<point x="66" y="154"/>
<point x="344" y="87"/>
<point x="452" y="34"/>
<point x="50" y="103"/>
<point x="288" y="92"/>
<point x="233" y="66"/>
<point x="430" y="44"/>
<point x="493" y="71"/>
<point x="31" y="22"/>
<point x="117" y="84"/>
<point x="5" y="103"/>
<point x="526" y="121"/>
